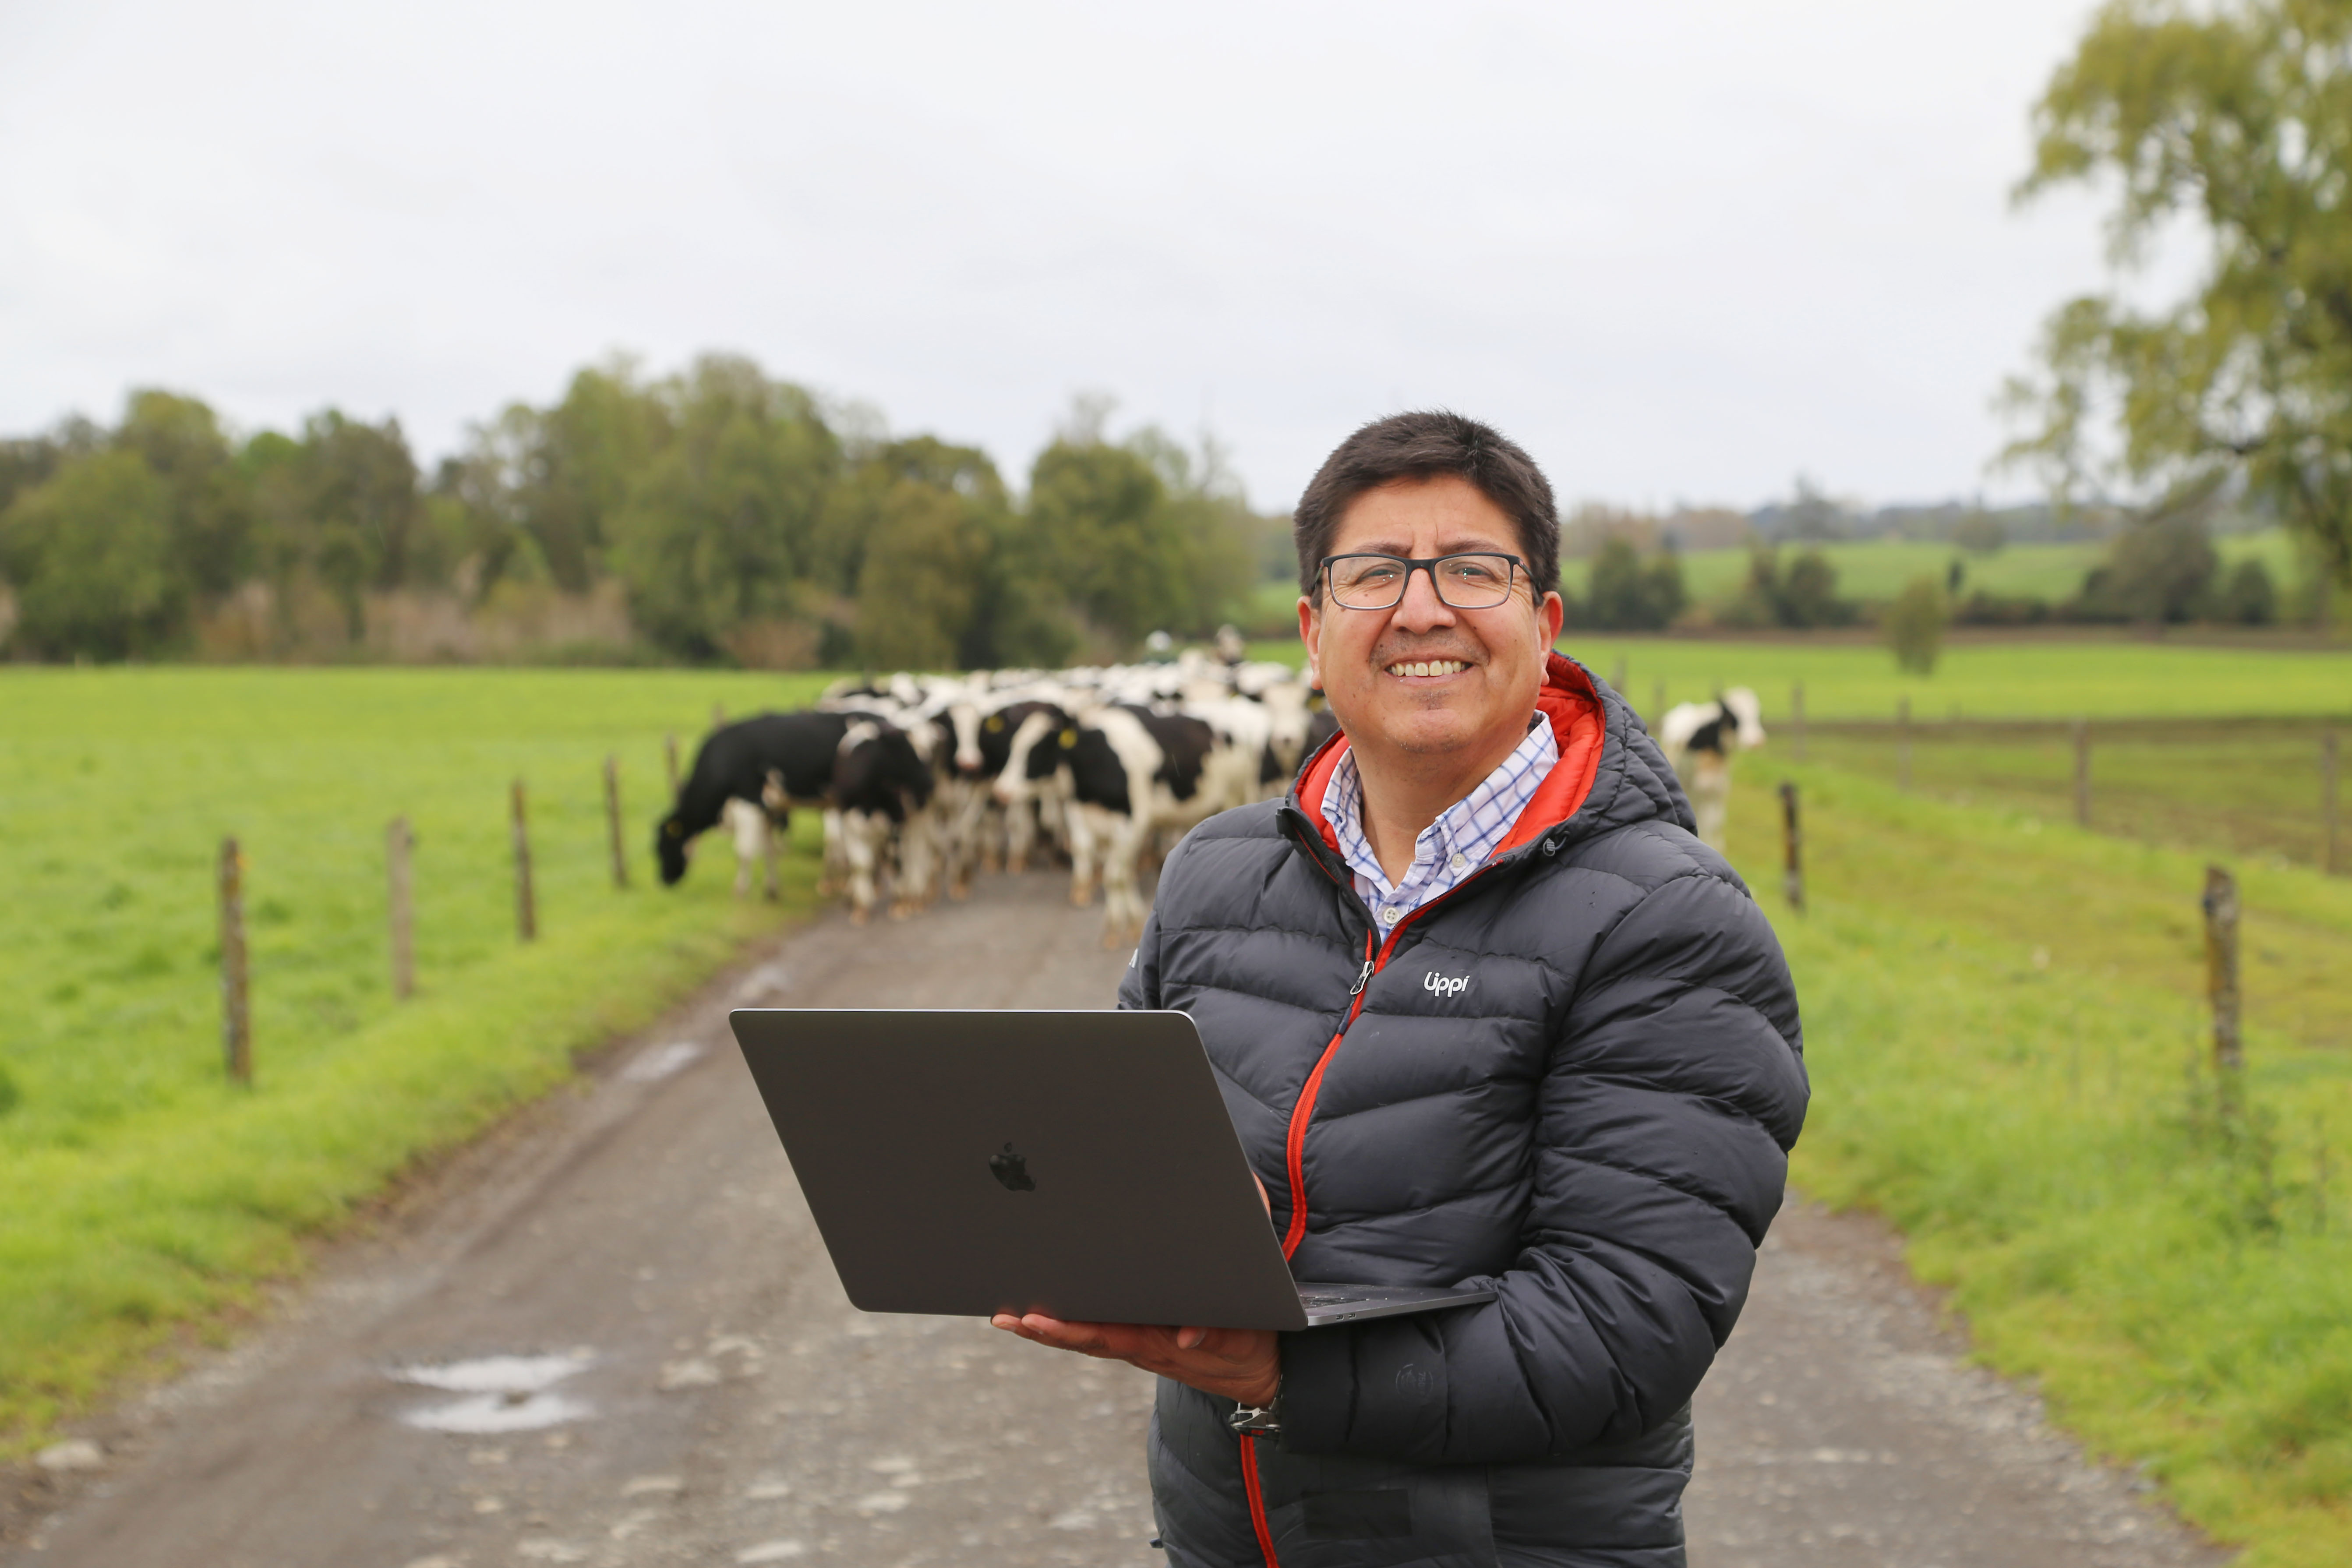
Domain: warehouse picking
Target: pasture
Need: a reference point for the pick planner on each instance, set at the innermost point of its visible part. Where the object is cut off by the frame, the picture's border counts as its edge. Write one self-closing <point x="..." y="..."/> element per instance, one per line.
<point x="115" y="1122"/>
<point x="1875" y="570"/>
<point x="2006" y="1033"/>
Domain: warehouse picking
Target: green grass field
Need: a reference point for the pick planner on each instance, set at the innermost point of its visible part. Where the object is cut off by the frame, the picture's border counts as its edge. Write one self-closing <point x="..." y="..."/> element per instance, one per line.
<point x="1876" y="569"/>
<point x="2240" y="789"/>
<point x="138" y="1191"/>
<point x="2002" y="1017"/>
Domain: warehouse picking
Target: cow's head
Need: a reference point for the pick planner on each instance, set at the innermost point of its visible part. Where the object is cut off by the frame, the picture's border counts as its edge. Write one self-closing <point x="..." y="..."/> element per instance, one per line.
<point x="669" y="848"/>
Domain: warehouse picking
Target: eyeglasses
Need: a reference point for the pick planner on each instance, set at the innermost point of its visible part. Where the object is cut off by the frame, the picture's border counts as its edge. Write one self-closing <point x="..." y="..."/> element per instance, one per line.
<point x="1476" y="581"/>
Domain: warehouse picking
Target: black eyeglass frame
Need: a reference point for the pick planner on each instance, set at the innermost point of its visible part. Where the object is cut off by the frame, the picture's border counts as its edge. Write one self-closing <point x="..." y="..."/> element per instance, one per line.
<point x="1429" y="565"/>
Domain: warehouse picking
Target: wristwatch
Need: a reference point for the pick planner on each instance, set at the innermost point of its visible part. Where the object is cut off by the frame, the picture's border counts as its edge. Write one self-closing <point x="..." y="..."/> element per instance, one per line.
<point x="1259" y="1420"/>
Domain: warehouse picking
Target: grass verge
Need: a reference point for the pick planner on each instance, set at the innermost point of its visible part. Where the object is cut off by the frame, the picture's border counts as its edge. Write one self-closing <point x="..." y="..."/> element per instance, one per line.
<point x="140" y="1194"/>
<point x="2009" y="1053"/>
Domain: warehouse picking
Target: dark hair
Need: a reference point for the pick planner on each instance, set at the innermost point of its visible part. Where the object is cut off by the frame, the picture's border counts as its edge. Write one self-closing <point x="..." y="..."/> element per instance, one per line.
<point x="1420" y="446"/>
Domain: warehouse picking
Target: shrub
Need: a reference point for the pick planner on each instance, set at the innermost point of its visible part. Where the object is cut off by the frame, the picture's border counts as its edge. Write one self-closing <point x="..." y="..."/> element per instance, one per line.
<point x="1631" y="595"/>
<point x="1915" y="625"/>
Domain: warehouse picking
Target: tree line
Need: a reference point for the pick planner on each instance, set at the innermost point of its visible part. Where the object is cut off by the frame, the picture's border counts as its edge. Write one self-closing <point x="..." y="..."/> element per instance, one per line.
<point x="735" y="517"/>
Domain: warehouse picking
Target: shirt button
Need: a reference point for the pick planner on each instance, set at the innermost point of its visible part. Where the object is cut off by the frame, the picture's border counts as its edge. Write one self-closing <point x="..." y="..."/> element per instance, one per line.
<point x="1389" y="913"/>
<point x="1460" y="862"/>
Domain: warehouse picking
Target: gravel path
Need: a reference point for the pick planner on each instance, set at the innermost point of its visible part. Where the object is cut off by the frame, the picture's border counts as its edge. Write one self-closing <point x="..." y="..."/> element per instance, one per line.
<point x="608" y="1335"/>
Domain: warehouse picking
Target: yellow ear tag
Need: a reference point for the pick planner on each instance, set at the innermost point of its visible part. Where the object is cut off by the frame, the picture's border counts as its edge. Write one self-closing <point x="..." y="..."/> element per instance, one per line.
<point x="995" y="722"/>
<point x="1069" y="739"/>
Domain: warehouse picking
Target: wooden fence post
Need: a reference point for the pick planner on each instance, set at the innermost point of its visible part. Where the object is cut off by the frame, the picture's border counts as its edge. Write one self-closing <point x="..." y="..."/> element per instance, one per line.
<point x="613" y="820"/>
<point x="1658" y="703"/>
<point x="1796" y="722"/>
<point x="2331" y="838"/>
<point x="717" y="717"/>
<point x="669" y="762"/>
<point x="2221" y="976"/>
<point x="237" y="1010"/>
<point x="1793" y="835"/>
<point x="1617" y="676"/>
<point x="526" y="910"/>
<point x="1903" y="744"/>
<point x="2081" y="773"/>
<point x="397" y="843"/>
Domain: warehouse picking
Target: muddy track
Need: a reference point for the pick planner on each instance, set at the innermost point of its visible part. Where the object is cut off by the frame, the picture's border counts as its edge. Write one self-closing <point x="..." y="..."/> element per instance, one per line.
<point x="609" y="1335"/>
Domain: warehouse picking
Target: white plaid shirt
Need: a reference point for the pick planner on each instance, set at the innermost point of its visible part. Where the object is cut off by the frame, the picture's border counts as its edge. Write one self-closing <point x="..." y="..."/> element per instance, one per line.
<point x="1448" y="850"/>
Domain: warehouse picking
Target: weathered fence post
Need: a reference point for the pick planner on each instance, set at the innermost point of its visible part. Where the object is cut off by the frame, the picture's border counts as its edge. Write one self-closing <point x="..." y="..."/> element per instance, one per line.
<point x="1658" y="703"/>
<point x="1796" y="722"/>
<point x="1903" y="744"/>
<point x="1617" y="676"/>
<point x="526" y="910"/>
<point x="669" y="762"/>
<point x="1793" y="835"/>
<point x="237" y="1010"/>
<point x="397" y="843"/>
<point x="2081" y="773"/>
<point x="717" y="717"/>
<point x="2331" y="856"/>
<point x="2221" y="976"/>
<point x="613" y="820"/>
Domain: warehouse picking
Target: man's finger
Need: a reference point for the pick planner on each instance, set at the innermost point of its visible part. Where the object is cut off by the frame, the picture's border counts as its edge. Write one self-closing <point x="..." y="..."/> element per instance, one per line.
<point x="1189" y="1338"/>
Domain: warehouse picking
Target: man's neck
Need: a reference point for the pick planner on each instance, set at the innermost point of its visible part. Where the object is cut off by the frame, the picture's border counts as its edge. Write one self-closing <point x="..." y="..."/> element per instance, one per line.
<point x="1405" y="791"/>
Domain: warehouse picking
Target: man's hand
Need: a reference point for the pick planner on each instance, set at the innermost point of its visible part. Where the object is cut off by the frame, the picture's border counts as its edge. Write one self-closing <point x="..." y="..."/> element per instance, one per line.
<point x="1240" y="1365"/>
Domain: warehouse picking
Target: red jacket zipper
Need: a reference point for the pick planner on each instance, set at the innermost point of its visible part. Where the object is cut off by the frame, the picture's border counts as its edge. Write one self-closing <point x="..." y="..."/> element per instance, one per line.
<point x="1304" y="1110"/>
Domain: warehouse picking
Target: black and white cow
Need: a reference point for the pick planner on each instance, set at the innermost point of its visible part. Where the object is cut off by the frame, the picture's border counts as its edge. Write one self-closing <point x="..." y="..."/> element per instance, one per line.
<point x="1699" y="740"/>
<point x="1132" y="773"/>
<point x="736" y="764"/>
<point x="882" y="790"/>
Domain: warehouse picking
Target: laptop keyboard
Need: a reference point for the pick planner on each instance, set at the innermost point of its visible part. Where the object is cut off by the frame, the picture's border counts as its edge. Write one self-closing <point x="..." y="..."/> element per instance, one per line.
<point x="1327" y="1299"/>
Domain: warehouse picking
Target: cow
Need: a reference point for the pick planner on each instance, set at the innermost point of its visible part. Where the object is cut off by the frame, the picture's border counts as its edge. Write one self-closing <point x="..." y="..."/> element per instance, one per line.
<point x="882" y="789"/>
<point x="1699" y="740"/>
<point x="1132" y="773"/>
<point x="754" y="832"/>
<point x="777" y="759"/>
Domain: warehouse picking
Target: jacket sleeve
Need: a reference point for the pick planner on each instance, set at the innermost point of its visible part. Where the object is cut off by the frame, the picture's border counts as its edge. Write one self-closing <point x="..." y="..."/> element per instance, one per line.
<point x="1138" y="988"/>
<point x="1674" y="1087"/>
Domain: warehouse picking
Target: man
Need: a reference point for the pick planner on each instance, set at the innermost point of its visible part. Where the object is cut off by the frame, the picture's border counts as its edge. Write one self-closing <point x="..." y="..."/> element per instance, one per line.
<point x="1483" y="1008"/>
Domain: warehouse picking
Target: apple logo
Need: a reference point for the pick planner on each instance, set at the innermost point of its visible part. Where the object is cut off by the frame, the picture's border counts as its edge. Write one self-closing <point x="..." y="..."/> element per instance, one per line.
<point x="1013" y="1170"/>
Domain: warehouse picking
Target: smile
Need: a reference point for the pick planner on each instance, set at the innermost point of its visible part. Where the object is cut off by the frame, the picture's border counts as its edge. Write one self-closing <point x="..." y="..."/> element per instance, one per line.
<point x="1429" y="668"/>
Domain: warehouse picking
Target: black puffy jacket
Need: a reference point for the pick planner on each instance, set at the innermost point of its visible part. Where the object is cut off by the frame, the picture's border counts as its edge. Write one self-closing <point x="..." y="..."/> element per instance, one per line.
<point x="1596" y="1124"/>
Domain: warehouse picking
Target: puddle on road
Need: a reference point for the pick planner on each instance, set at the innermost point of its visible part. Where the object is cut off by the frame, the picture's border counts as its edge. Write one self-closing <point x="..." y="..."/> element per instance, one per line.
<point x="661" y="1061"/>
<point x="502" y="1393"/>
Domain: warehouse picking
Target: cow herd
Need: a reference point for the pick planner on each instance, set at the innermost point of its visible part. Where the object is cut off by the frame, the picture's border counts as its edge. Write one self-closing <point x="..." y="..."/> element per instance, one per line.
<point x="923" y="779"/>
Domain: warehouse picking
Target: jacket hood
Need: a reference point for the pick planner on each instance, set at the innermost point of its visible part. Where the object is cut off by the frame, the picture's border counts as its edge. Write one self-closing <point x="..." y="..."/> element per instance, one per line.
<point x="1610" y="774"/>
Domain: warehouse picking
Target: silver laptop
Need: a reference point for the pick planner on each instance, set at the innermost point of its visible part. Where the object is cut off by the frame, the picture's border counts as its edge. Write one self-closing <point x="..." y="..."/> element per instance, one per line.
<point x="1077" y="1164"/>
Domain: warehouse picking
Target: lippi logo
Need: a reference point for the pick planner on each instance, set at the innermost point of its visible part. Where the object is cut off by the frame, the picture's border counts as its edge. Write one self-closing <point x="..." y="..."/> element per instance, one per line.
<point x="1438" y="985"/>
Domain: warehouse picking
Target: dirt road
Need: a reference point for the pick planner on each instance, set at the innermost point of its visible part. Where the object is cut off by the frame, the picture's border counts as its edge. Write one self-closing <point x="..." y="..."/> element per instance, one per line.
<point x="609" y="1336"/>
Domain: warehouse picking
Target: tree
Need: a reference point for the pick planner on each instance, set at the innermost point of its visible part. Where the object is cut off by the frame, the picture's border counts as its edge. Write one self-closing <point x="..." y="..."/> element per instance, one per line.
<point x="2237" y="118"/>
<point x="211" y="522"/>
<point x="1802" y="597"/>
<point x="1138" y="537"/>
<point x="89" y="555"/>
<point x="2159" y="569"/>
<point x="358" y="513"/>
<point x="716" y="536"/>
<point x="911" y="530"/>
<point x="1915" y="625"/>
<point x="1628" y="594"/>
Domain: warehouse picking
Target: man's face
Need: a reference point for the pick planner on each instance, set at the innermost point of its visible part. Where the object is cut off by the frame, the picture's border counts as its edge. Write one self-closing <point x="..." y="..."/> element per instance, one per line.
<point x="1487" y="664"/>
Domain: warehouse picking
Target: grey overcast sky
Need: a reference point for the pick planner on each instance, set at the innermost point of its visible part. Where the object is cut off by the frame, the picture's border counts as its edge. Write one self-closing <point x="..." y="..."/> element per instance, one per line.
<point x="1682" y="251"/>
